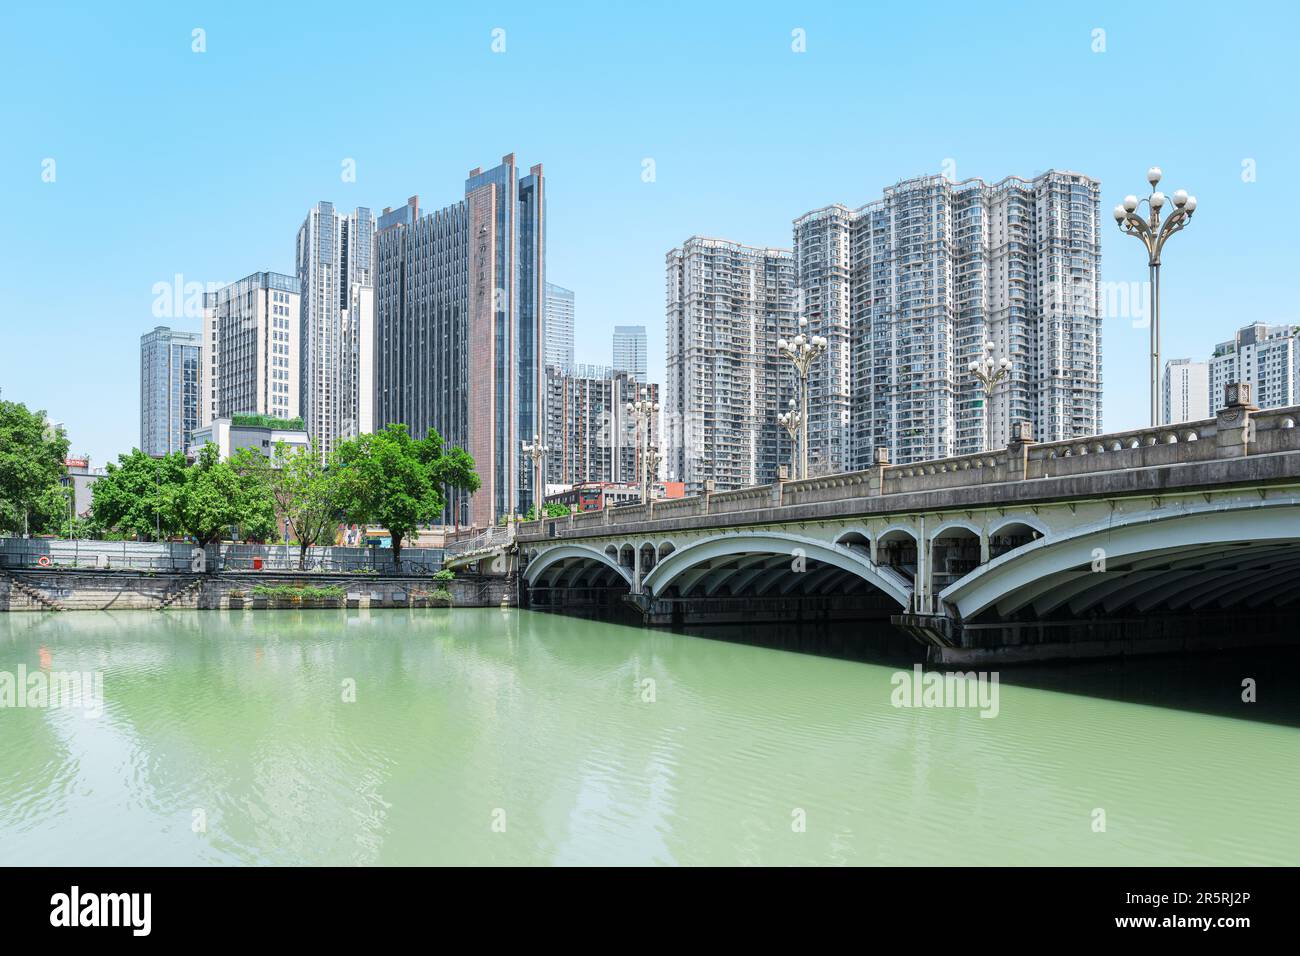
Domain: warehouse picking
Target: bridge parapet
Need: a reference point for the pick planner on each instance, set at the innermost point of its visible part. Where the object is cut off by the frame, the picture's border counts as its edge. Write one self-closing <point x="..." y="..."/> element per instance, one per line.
<point x="1237" y="431"/>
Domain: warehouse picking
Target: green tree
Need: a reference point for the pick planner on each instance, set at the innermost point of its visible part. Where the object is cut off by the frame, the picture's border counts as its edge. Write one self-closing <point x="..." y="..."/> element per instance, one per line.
<point x="452" y="470"/>
<point x="552" y="509"/>
<point x="307" y="493"/>
<point x="215" y="495"/>
<point x="387" y="479"/>
<point x="131" y="498"/>
<point x="32" y="455"/>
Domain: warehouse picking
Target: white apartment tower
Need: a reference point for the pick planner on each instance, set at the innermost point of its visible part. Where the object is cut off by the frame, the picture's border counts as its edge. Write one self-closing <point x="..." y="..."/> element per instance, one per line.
<point x="823" y="251"/>
<point x="727" y="305"/>
<point x="335" y="253"/>
<point x="1266" y="357"/>
<point x="1187" y="391"/>
<point x="934" y="270"/>
<point x="250" y="348"/>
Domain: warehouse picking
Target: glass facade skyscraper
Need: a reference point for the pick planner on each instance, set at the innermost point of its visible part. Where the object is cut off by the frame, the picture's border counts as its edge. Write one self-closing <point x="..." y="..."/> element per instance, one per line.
<point x="169" y="389"/>
<point x="460" y="327"/>
<point x="630" y="349"/>
<point x="559" y="327"/>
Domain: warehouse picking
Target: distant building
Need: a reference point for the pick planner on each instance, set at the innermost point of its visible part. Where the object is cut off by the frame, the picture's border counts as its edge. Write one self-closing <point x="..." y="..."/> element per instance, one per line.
<point x="559" y="327"/>
<point x="169" y="389"/>
<point x="596" y="495"/>
<point x="630" y="350"/>
<point x="1187" y="391"/>
<point x="258" y="432"/>
<point x="459" y="325"/>
<point x="335" y="260"/>
<point x="907" y="289"/>
<point x="250" y="348"/>
<point x="1266" y="357"/>
<point x="590" y="435"/>
<point x="80" y="477"/>
<point x="727" y="306"/>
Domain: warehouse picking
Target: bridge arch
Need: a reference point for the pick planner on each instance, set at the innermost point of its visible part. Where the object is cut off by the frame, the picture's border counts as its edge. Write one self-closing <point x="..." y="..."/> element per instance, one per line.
<point x="950" y="524"/>
<point x="1142" y="560"/>
<point x="763" y="562"/>
<point x="554" y="562"/>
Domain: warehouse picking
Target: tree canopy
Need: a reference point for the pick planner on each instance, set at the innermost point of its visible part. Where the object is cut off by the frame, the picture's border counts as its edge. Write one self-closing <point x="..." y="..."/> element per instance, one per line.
<point x="129" y="498"/>
<point x="307" y="493"/>
<point x="399" y="482"/>
<point x="32" y="456"/>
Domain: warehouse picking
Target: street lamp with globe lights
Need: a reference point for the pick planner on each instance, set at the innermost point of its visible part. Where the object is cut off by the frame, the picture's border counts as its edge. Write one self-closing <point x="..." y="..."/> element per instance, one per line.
<point x="790" y="422"/>
<point x="1153" y="235"/>
<point x="990" y="374"/>
<point x="643" y="408"/>
<point x="537" y="452"/>
<point x="802" y="350"/>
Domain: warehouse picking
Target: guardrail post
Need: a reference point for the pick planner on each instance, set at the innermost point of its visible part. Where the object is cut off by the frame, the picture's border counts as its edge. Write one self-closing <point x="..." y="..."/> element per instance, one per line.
<point x="1235" y="429"/>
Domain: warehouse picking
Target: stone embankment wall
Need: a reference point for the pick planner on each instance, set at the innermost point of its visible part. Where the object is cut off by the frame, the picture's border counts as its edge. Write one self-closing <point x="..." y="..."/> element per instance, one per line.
<point x="54" y="590"/>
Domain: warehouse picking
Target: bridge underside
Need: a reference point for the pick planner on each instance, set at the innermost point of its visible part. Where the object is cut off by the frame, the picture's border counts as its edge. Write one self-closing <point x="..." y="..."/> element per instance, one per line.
<point x="760" y="587"/>
<point x="1210" y="597"/>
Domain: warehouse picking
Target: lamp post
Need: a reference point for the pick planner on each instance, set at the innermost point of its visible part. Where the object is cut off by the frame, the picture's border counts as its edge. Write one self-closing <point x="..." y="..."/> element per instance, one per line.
<point x="536" y="451"/>
<point x="790" y="421"/>
<point x="1153" y="236"/>
<point x="990" y="374"/>
<point x="802" y="350"/>
<point x="642" y="408"/>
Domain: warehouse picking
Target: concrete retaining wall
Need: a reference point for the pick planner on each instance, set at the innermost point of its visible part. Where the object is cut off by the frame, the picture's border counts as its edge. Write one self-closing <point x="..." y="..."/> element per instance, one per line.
<point x="48" y="590"/>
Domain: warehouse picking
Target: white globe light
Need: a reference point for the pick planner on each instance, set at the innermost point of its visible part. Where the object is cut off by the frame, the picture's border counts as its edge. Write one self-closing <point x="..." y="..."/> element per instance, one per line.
<point x="800" y="339"/>
<point x="1154" y="174"/>
<point x="630" y="408"/>
<point x="1005" y="363"/>
<point x="1157" y="199"/>
<point x="973" y="367"/>
<point x="1130" y="202"/>
<point x="1120" y="213"/>
<point x="782" y="344"/>
<point x="803" y="322"/>
<point x="1180" y="198"/>
<point x="792" y="404"/>
<point x="1190" y="205"/>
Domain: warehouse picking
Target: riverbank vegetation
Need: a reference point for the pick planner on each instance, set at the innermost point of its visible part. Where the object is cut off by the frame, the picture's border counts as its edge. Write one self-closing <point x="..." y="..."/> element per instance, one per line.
<point x="295" y="493"/>
<point x="33" y="499"/>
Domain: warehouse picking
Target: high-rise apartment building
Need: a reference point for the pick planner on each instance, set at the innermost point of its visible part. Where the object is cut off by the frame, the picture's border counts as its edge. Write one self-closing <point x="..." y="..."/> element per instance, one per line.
<point x="335" y="253"/>
<point x="727" y="306"/>
<point x="822" y="248"/>
<point x="630" y="350"/>
<point x="459" y="328"/>
<point x="936" y="269"/>
<point x="559" y="327"/>
<point x="250" y="348"/>
<point x="170" y="363"/>
<point x="1266" y="357"/>
<point x="590" y="436"/>
<point x="1187" y="391"/>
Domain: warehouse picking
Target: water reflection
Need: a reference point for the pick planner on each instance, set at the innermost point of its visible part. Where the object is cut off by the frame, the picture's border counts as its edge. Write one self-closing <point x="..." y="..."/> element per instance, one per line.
<point x="482" y="736"/>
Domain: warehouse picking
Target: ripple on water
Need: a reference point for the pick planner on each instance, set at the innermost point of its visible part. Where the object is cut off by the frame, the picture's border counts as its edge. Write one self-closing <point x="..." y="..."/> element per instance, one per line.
<point x="463" y="720"/>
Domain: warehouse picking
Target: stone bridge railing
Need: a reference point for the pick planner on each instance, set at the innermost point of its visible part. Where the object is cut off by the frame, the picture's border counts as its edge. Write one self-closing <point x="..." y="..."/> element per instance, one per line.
<point x="1237" y="431"/>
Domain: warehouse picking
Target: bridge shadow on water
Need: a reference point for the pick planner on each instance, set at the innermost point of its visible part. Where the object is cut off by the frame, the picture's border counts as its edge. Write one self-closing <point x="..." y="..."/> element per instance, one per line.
<point x="1207" y="682"/>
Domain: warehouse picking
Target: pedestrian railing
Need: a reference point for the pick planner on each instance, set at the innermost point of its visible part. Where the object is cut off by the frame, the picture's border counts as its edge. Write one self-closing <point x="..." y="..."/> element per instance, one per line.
<point x="174" y="556"/>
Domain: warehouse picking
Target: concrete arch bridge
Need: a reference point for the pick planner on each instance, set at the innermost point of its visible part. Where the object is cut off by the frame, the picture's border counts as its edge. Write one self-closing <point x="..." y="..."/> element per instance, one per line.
<point x="1154" y="540"/>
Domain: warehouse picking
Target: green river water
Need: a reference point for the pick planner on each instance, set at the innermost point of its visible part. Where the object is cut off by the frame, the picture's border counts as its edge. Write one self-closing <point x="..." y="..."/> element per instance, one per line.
<point x="514" y="737"/>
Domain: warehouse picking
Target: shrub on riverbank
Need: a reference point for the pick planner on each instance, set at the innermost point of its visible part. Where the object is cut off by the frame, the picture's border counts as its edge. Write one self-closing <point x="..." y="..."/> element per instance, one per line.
<point x="298" y="592"/>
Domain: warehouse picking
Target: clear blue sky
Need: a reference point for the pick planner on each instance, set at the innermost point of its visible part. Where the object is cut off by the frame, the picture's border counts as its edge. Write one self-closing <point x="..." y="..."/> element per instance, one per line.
<point x="169" y="161"/>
